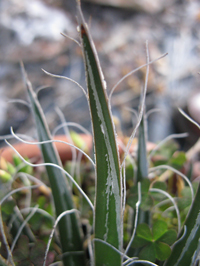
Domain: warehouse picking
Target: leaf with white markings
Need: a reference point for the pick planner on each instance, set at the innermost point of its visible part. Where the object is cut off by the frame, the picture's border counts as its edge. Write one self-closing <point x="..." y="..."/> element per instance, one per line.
<point x="186" y="250"/>
<point x="108" y="184"/>
<point x="70" y="236"/>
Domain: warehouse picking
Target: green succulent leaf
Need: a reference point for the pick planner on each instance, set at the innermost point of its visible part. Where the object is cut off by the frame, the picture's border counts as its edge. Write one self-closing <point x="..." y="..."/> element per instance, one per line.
<point x="108" y="201"/>
<point x="5" y="176"/>
<point x="70" y="235"/>
<point x="142" y="164"/>
<point x="26" y="168"/>
<point x="10" y="168"/>
<point x="184" y="250"/>
<point x="78" y="141"/>
<point x="142" y="171"/>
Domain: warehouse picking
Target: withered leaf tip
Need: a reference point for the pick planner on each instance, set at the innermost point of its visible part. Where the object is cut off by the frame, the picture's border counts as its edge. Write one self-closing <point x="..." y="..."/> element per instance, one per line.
<point x="83" y="31"/>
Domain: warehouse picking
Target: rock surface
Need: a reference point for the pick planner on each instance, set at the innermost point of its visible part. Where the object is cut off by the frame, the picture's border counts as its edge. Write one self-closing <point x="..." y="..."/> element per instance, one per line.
<point x="30" y="31"/>
<point x="139" y="5"/>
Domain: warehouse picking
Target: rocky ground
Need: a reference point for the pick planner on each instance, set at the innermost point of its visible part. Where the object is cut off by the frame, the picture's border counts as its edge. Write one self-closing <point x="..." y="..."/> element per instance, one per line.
<point x="30" y="32"/>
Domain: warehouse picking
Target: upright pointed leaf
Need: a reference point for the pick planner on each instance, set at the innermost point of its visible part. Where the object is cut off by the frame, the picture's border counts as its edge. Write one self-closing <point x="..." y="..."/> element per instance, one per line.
<point x="70" y="235"/>
<point x="108" y="223"/>
<point x="142" y="175"/>
<point x="142" y="164"/>
<point x="186" y="250"/>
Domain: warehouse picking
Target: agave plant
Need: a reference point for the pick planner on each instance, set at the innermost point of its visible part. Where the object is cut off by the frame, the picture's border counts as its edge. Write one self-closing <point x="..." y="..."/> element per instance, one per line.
<point x="105" y="243"/>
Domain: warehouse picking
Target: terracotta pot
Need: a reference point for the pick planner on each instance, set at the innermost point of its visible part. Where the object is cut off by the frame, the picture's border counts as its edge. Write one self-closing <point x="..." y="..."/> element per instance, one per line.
<point x="33" y="151"/>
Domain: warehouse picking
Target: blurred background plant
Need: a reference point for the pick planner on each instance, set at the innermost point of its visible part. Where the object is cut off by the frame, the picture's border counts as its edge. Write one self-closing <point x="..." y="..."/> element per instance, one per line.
<point x="30" y="31"/>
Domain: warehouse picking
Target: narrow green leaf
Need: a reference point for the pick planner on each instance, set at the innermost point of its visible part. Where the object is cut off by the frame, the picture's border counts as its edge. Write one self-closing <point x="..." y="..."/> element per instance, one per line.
<point x="142" y="168"/>
<point x="108" y="216"/>
<point x="18" y="221"/>
<point x="70" y="235"/>
<point x="184" y="251"/>
<point x="142" y="163"/>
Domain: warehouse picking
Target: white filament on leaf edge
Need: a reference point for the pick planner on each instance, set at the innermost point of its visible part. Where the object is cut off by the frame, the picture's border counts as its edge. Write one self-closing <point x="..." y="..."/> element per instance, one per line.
<point x="172" y="200"/>
<point x="177" y="172"/>
<point x="52" y="141"/>
<point x="112" y="182"/>
<point x="56" y="166"/>
<point x="136" y="217"/>
<point x="53" y="230"/>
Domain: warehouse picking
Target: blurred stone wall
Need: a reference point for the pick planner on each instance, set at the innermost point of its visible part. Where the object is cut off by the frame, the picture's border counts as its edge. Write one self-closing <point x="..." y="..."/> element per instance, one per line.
<point x="30" y="31"/>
